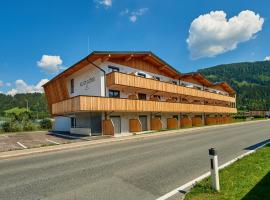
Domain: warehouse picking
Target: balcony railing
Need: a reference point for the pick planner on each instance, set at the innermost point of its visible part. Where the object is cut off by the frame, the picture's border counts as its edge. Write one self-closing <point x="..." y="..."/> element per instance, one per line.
<point x="91" y="103"/>
<point x="128" y="80"/>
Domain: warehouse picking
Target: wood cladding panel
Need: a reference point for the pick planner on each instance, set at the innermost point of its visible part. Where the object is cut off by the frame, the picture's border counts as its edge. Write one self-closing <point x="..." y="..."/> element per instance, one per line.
<point x="144" y="65"/>
<point x="186" y="122"/>
<point x="135" y="125"/>
<point x="91" y="103"/>
<point x="155" y="124"/>
<point x="172" y="123"/>
<point x="210" y="120"/>
<point x="197" y="121"/>
<point x="56" y="91"/>
<point x="107" y="127"/>
<point x="116" y="78"/>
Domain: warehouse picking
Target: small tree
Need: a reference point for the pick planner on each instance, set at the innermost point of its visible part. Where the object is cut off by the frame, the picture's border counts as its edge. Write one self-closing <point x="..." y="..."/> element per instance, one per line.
<point x="45" y="124"/>
<point x="19" y="119"/>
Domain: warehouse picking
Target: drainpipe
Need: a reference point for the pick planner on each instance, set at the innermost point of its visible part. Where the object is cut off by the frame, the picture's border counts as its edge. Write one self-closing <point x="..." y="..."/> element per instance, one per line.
<point x="103" y="71"/>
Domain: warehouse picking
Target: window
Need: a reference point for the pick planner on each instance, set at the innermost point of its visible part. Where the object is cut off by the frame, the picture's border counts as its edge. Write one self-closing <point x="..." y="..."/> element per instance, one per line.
<point x="142" y="96"/>
<point x="114" y="93"/>
<point x="113" y="69"/>
<point x="73" y="122"/>
<point x="156" y="78"/>
<point x="72" y="86"/>
<point x="141" y="74"/>
<point x="174" y="82"/>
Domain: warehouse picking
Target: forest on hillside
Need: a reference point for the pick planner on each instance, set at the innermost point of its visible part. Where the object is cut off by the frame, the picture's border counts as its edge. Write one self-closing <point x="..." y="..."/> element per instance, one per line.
<point x="251" y="81"/>
<point x="36" y="102"/>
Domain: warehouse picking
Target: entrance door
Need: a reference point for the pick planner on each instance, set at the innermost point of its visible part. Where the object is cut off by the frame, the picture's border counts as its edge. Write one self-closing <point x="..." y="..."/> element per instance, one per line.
<point x="96" y="121"/>
<point x="117" y="123"/>
<point x="143" y="120"/>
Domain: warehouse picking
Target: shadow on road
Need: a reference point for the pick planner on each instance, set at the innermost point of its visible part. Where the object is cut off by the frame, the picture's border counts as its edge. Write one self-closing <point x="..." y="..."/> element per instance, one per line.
<point x="252" y="147"/>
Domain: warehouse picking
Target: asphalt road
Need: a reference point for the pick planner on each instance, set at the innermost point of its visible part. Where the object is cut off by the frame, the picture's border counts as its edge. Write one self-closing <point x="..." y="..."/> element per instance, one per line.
<point x="134" y="169"/>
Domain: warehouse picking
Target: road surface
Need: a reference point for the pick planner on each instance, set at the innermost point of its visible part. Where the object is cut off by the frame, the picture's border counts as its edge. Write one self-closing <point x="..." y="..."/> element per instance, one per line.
<point x="138" y="169"/>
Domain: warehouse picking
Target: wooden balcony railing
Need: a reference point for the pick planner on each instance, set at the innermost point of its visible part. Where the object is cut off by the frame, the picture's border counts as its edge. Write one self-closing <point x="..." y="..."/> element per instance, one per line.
<point x="91" y="103"/>
<point x="122" y="79"/>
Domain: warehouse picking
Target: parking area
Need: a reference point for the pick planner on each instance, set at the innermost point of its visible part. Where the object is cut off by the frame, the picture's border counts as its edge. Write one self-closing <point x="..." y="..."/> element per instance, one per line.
<point x="25" y="140"/>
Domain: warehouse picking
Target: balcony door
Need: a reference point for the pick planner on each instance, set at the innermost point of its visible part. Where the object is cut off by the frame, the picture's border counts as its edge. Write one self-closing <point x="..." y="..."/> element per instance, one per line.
<point x="143" y="120"/>
<point x="117" y="123"/>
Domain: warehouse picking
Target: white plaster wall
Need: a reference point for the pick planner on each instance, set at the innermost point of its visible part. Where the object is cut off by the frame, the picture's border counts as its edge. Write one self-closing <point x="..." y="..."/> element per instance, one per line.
<point x="87" y="81"/>
<point x="62" y="124"/>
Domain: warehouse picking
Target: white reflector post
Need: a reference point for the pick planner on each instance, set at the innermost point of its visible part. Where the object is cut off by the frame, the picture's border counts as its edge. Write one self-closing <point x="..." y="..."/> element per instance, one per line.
<point x="214" y="169"/>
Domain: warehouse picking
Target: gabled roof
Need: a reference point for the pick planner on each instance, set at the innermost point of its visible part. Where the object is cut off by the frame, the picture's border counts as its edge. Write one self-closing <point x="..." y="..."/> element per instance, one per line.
<point x="199" y="77"/>
<point x="226" y="87"/>
<point x="105" y="55"/>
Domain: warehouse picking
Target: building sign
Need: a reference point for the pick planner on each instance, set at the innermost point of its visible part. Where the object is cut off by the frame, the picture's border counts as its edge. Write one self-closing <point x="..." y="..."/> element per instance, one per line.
<point x="87" y="82"/>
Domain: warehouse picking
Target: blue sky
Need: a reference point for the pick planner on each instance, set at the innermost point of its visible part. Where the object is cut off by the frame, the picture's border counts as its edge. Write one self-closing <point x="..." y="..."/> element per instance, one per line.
<point x="46" y="36"/>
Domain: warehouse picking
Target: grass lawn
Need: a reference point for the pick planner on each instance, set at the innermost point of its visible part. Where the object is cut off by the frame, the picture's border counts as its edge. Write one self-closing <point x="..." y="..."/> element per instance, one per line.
<point x="246" y="179"/>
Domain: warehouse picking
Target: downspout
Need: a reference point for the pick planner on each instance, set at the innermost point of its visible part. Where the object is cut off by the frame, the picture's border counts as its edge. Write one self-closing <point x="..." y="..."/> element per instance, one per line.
<point x="104" y="73"/>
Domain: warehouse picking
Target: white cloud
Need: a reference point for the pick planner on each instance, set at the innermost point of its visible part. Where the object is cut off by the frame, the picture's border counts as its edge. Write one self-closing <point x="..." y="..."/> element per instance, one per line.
<point x="212" y="34"/>
<point x="8" y="84"/>
<point x="133" y="16"/>
<point x="1" y="83"/>
<point x="23" y="87"/>
<point x="104" y="3"/>
<point x="50" y="64"/>
<point x="267" y="58"/>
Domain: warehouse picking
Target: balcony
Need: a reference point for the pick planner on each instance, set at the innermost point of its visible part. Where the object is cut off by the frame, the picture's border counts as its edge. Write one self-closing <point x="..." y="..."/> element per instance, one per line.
<point x="118" y="80"/>
<point x="96" y="104"/>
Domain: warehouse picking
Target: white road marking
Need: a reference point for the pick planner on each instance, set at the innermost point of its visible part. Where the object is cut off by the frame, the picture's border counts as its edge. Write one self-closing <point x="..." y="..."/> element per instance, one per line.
<point x="207" y="174"/>
<point x="23" y="146"/>
<point x="51" y="141"/>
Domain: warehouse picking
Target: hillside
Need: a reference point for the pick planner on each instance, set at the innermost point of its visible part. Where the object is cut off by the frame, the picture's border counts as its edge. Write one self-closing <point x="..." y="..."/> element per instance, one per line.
<point x="36" y="102"/>
<point x="251" y="80"/>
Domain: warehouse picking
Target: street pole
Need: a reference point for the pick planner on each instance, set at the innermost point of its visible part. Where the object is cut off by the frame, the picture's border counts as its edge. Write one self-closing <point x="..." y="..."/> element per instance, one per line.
<point x="214" y="169"/>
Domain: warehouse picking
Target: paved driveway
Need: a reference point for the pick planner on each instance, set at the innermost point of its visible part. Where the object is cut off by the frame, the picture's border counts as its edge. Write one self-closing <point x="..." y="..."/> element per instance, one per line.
<point x="134" y="169"/>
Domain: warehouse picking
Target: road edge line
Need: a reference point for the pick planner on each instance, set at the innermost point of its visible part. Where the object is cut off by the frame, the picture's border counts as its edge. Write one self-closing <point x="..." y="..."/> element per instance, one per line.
<point x="207" y="174"/>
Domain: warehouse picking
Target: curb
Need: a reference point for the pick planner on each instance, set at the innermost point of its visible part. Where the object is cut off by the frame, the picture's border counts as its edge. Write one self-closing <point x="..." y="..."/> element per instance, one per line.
<point x="193" y="182"/>
<point x="47" y="149"/>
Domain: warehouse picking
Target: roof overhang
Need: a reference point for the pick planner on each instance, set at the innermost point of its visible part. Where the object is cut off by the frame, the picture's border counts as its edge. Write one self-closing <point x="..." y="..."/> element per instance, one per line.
<point x="125" y="55"/>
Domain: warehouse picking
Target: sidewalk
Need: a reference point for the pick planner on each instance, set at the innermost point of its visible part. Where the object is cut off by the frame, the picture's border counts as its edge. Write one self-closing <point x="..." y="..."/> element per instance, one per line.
<point x="46" y="149"/>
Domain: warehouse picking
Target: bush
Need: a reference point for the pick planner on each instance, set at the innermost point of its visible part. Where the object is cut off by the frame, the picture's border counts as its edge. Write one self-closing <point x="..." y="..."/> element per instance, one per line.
<point x="29" y="126"/>
<point x="11" y="127"/>
<point x="45" y="124"/>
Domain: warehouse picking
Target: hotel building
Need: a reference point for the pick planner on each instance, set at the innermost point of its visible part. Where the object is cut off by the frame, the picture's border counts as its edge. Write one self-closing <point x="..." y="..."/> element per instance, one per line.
<point x="116" y="93"/>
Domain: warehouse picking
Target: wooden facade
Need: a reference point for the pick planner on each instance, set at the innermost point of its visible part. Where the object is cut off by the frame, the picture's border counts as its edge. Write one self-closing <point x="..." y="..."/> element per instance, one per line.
<point x="91" y="103"/>
<point x="135" y="125"/>
<point x="107" y="127"/>
<point x="185" y="122"/>
<point x="197" y="121"/>
<point x="115" y="79"/>
<point x="155" y="124"/>
<point x="172" y="123"/>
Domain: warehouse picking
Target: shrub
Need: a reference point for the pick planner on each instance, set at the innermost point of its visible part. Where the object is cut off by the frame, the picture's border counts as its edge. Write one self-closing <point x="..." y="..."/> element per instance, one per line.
<point x="29" y="126"/>
<point x="11" y="127"/>
<point x="45" y="124"/>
